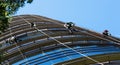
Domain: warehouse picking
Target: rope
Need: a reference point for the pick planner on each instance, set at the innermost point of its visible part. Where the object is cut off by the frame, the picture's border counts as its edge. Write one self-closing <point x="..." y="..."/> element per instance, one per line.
<point x="63" y="43"/>
<point x="69" y="47"/>
<point x="42" y="51"/>
<point x="24" y="57"/>
<point x="82" y="31"/>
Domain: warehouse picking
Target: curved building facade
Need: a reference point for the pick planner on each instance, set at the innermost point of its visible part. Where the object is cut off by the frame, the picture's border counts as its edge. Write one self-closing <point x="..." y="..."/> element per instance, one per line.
<point x="38" y="40"/>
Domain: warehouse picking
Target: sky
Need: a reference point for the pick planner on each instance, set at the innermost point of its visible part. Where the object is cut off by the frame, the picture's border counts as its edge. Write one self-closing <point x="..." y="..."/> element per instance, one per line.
<point x="95" y="15"/>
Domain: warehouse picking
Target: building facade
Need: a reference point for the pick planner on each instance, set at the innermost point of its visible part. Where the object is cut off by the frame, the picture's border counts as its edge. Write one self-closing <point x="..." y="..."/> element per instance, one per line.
<point x="38" y="40"/>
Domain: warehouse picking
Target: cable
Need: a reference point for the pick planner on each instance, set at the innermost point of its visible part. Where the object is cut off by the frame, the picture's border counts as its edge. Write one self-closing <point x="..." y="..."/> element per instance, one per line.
<point x="64" y="44"/>
<point x="68" y="47"/>
<point x="17" y="48"/>
<point x="43" y="52"/>
<point x="24" y="57"/>
<point x="81" y="31"/>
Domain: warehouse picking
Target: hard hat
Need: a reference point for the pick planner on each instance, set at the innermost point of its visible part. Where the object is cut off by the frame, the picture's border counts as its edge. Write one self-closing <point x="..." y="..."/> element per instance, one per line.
<point x="106" y="30"/>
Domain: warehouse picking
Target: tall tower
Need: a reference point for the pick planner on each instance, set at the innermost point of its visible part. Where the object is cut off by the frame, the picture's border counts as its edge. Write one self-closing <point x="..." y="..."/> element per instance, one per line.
<point x="37" y="40"/>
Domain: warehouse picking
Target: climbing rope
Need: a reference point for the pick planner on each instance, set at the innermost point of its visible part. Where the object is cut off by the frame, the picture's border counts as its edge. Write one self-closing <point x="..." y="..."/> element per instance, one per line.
<point x="83" y="31"/>
<point x="63" y="43"/>
<point x="23" y="56"/>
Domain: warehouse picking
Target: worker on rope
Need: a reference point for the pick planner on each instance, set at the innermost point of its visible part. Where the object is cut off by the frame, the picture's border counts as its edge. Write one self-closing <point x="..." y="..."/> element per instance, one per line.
<point x="69" y="26"/>
<point x="12" y="40"/>
<point x="106" y="33"/>
<point x="32" y="24"/>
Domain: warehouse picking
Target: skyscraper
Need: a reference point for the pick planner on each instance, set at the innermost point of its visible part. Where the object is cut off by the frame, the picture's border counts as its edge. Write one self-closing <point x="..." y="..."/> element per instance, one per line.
<point x="38" y="40"/>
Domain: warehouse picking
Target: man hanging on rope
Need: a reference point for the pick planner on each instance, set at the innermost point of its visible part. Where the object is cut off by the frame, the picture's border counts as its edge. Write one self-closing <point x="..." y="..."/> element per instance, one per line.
<point x="69" y="26"/>
<point x="106" y="33"/>
<point x="32" y="24"/>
